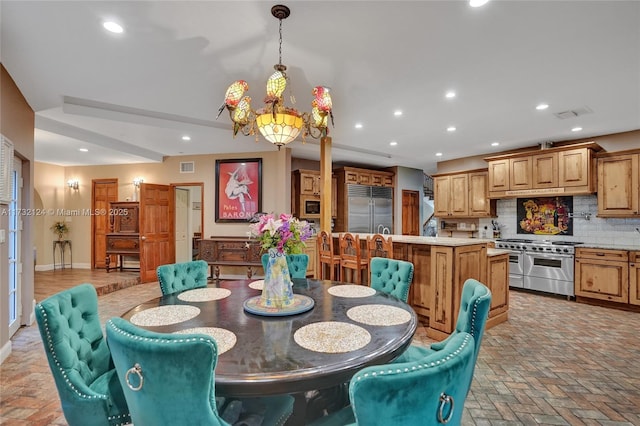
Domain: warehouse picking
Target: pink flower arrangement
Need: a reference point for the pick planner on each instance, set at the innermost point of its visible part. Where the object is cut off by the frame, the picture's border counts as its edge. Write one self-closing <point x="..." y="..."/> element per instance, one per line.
<point x="287" y="234"/>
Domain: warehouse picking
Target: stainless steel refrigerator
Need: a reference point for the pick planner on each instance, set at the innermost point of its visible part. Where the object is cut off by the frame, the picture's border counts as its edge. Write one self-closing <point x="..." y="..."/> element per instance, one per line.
<point x="370" y="208"/>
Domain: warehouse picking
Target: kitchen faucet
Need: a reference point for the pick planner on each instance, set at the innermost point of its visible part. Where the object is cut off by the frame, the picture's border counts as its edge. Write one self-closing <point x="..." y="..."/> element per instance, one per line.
<point x="386" y="231"/>
<point x="380" y="226"/>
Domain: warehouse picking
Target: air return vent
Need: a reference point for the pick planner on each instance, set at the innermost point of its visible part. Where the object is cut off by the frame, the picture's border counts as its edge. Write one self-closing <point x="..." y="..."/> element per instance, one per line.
<point x="187" y="167"/>
<point x="576" y="112"/>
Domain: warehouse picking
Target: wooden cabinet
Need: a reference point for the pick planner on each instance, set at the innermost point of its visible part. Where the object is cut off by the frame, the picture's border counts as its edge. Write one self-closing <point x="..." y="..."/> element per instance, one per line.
<point x="544" y="170"/>
<point x="602" y="274"/>
<point x="498" y="282"/>
<point x="231" y="251"/>
<point x="306" y="194"/>
<point x="123" y="238"/>
<point x="311" y="250"/>
<point x="565" y="170"/>
<point x="618" y="185"/>
<point x="634" y="277"/>
<point x="358" y="176"/>
<point x="462" y="195"/>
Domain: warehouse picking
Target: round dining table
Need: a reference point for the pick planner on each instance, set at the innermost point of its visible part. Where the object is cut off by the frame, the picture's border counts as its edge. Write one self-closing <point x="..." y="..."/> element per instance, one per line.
<point x="348" y="328"/>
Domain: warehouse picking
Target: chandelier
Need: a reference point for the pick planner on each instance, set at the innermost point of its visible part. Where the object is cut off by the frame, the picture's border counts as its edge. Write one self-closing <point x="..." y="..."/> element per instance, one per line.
<point x="276" y="122"/>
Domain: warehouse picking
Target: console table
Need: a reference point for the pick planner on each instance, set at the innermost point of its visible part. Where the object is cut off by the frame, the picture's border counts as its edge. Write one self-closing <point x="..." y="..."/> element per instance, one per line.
<point x="123" y="238"/>
<point x="63" y="244"/>
<point x="230" y="251"/>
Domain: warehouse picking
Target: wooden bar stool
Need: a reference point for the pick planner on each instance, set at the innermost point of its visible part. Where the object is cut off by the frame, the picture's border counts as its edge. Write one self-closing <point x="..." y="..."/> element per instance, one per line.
<point x="351" y="257"/>
<point x="327" y="256"/>
<point x="379" y="246"/>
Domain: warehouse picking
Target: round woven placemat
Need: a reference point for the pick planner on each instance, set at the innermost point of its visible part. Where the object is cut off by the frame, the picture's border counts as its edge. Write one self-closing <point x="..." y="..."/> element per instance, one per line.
<point x="224" y="338"/>
<point x="204" y="294"/>
<point x="379" y="315"/>
<point x="351" y="290"/>
<point x="332" y="337"/>
<point x="257" y="285"/>
<point x="165" y="315"/>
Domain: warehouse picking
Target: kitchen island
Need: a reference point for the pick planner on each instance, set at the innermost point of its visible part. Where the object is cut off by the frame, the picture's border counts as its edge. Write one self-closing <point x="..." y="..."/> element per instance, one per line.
<point x="441" y="266"/>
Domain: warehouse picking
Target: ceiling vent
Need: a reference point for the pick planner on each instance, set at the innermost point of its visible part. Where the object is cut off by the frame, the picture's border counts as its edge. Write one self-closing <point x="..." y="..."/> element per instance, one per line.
<point x="573" y="113"/>
<point x="187" y="167"/>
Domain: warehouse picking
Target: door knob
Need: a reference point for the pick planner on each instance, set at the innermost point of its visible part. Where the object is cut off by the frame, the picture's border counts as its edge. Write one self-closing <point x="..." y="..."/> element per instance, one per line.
<point x="143" y="238"/>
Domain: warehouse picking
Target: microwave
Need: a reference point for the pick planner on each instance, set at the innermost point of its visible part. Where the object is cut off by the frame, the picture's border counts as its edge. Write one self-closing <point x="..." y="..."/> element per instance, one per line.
<point x="310" y="207"/>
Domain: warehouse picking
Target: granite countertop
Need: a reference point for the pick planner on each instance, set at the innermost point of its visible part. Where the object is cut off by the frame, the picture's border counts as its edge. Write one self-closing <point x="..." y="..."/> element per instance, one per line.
<point x="433" y="241"/>
<point x="608" y="247"/>
<point x="496" y="252"/>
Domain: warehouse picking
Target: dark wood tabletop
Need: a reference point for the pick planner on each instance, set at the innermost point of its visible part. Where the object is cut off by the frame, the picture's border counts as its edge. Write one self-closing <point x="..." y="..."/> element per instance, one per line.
<point x="266" y="360"/>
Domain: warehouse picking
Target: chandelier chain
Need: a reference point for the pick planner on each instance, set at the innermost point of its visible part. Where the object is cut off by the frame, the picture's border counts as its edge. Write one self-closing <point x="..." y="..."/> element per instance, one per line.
<point x="280" y="47"/>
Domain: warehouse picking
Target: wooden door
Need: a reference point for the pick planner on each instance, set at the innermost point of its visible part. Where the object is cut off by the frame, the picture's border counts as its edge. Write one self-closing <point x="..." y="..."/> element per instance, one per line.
<point x="459" y="195"/>
<point x="479" y="203"/>
<point x="441" y="196"/>
<point x="103" y="192"/>
<point x="520" y="173"/>
<point x="574" y="167"/>
<point x="602" y="279"/>
<point x="410" y="212"/>
<point x="499" y="175"/>
<point x="618" y="185"/>
<point x="545" y="170"/>
<point x="157" y="244"/>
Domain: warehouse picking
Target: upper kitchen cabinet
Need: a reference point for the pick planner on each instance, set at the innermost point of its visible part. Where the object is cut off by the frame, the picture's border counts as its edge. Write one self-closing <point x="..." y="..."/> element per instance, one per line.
<point x="306" y="195"/>
<point x="462" y="195"/>
<point x="564" y="170"/>
<point x="367" y="177"/>
<point x="618" y="178"/>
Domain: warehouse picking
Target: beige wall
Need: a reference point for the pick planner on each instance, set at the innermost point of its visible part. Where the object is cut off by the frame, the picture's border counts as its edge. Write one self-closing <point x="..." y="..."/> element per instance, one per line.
<point x="17" y="124"/>
<point x="53" y="192"/>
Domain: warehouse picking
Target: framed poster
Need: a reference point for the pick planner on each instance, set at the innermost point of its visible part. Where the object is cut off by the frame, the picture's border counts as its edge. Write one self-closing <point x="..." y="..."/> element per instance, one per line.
<point x="545" y="216"/>
<point x="238" y="189"/>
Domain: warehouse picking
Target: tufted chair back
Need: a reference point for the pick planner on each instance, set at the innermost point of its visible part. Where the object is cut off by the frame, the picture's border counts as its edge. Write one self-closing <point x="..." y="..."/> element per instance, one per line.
<point x="177" y="277"/>
<point x="169" y="379"/>
<point x="297" y="264"/>
<point x="391" y="276"/>
<point x="429" y="391"/>
<point x="79" y="358"/>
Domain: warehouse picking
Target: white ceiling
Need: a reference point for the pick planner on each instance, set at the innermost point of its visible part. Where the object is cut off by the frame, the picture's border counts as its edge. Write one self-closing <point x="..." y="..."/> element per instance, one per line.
<point x="130" y="97"/>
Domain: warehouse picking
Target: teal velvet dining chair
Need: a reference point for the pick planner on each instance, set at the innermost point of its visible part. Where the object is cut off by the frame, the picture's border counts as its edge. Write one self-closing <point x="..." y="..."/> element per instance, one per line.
<point x="177" y="277"/>
<point x="79" y="358"/>
<point x="169" y="379"/>
<point x="475" y="303"/>
<point x="297" y="264"/>
<point x="391" y="276"/>
<point x="429" y="391"/>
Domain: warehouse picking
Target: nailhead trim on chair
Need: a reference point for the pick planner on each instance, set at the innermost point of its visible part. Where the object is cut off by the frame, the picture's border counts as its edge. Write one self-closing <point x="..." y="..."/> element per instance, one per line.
<point x="475" y="311"/>
<point x="416" y="367"/>
<point x="153" y="339"/>
<point x="64" y="374"/>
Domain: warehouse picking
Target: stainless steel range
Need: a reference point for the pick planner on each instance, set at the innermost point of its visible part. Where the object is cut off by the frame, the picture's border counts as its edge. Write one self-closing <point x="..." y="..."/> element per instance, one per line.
<point x="546" y="265"/>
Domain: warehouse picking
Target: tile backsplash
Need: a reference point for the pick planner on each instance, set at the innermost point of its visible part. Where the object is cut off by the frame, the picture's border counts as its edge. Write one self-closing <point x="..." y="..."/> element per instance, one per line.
<point x="600" y="231"/>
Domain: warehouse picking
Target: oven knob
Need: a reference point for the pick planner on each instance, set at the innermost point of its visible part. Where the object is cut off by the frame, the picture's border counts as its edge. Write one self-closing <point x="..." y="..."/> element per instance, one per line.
<point x="566" y="250"/>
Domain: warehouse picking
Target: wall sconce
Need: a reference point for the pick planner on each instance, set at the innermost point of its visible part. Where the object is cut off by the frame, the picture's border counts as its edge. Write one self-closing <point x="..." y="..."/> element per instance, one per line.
<point x="73" y="184"/>
<point x="137" y="181"/>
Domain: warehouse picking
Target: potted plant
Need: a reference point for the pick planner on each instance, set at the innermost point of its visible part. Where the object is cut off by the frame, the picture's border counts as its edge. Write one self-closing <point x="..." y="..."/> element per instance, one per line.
<point x="60" y="228"/>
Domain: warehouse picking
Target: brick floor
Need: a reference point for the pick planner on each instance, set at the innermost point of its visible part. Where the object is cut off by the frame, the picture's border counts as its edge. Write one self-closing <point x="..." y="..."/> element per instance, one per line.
<point x="555" y="362"/>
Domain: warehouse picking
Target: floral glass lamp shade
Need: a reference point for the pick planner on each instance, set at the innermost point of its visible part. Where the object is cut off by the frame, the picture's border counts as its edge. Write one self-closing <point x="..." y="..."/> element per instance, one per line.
<point x="280" y="128"/>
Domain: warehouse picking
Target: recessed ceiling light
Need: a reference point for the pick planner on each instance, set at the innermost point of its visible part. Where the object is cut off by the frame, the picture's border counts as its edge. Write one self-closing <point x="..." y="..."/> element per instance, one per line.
<point x="358" y="126"/>
<point x="450" y="94"/>
<point x="451" y="129"/>
<point x="397" y="113"/>
<point x="393" y="143"/>
<point x="113" y="27"/>
<point x="495" y="143"/>
<point x="186" y="138"/>
<point x="542" y="106"/>
<point x="438" y="154"/>
<point x="576" y="129"/>
<point x="477" y="3"/>
<point x="83" y="150"/>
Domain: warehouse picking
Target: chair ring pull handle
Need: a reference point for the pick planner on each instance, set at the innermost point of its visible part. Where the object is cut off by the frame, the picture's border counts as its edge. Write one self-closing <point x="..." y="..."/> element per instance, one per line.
<point x="444" y="401"/>
<point x="137" y="370"/>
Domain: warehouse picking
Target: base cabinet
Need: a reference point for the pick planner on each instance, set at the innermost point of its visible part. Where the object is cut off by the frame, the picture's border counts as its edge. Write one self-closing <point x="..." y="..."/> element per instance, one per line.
<point x="602" y="274"/>
<point x="634" y="277"/>
<point x="498" y="282"/>
<point x="312" y="251"/>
